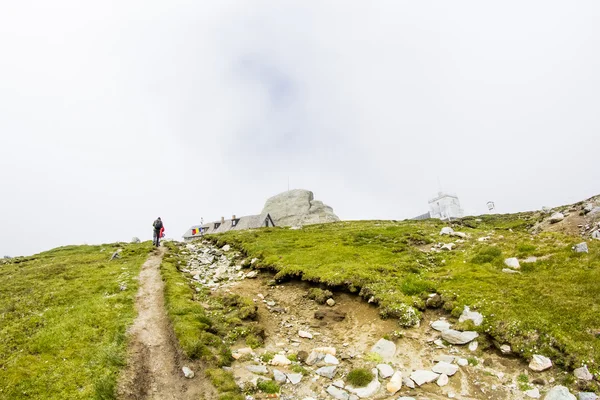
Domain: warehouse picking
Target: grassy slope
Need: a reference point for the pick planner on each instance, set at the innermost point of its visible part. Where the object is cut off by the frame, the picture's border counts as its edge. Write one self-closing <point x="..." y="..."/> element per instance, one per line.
<point x="63" y="318"/>
<point x="551" y="308"/>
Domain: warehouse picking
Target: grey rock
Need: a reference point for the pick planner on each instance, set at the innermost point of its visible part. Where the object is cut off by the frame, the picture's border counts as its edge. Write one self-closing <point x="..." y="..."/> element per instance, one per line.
<point x="530" y="259"/>
<point x="338" y="393"/>
<point x="339" y="383"/>
<point x="581" y="247"/>
<point x="226" y="247"/>
<point x="556" y="217"/>
<point x="279" y="376"/>
<point x="409" y="383"/>
<point x="440" y="325"/>
<point x="533" y="393"/>
<point x="473" y="346"/>
<point x="385" y="348"/>
<point x="135" y="240"/>
<point x="330" y="360"/>
<point x="294" y="378"/>
<point x="330" y="302"/>
<point x="583" y="374"/>
<point x="188" y="373"/>
<point x="421" y="376"/>
<point x="252" y="274"/>
<point x="445" y="368"/>
<point x="512" y="262"/>
<point x="468" y="315"/>
<point x="305" y="334"/>
<point x="559" y="393"/>
<point x="461" y="235"/>
<point x="327" y="372"/>
<point x="257" y="369"/>
<point x="540" y="363"/>
<point x="442" y="380"/>
<point x="298" y="208"/>
<point x="596" y="234"/>
<point x="385" y="370"/>
<point x="456" y="337"/>
<point x="314" y="357"/>
<point x="446" y="231"/>
<point x="588" y="207"/>
<point x="587" y="396"/>
<point x="505" y="349"/>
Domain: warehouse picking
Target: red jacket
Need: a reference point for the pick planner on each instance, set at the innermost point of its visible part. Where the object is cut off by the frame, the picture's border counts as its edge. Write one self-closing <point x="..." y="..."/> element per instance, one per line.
<point x="162" y="232"/>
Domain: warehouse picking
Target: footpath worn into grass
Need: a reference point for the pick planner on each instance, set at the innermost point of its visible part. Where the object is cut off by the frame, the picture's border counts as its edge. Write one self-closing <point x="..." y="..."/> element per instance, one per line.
<point x="63" y="318"/>
<point x="550" y="308"/>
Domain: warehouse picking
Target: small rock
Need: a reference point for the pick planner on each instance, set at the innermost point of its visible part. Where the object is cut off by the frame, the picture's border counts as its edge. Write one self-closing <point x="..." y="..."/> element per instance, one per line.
<point x="556" y="217"/>
<point x="330" y="302"/>
<point x="395" y="383"/>
<point x="385" y="348"/>
<point x="559" y="393"/>
<point x="440" y="325"/>
<point x="338" y="393"/>
<point x="512" y="262"/>
<point x="505" y="349"/>
<point x="271" y="303"/>
<point x="530" y="260"/>
<point x="583" y="374"/>
<point x="463" y="362"/>
<point x="468" y="315"/>
<point x="135" y="240"/>
<point x="533" y="393"/>
<point x="447" y="246"/>
<point x="588" y="207"/>
<point x="385" y="370"/>
<point x="596" y="234"/>
<point x="280" y="360"/>
<point x="327" y="372"/>
<point x="581" y="248"/>
<point x="456" y="337"/>
<point x="226" y="247"/>
<point x="540" y="363"/>
<point x="330" y="360"/>
<point x="188" y="373"/>
<point x="304" y="334"/>
<point x="446" y="231"/>
<point x="294" y="378"/>
<point x="587" y="396"/>
<point x="459" y="234"/>
<point x="252" y="274"/>
<point x="279" y="376"/>
<point x="421" y="377"/>
<point x="445" y="368"/>
<point x="439" y="343"/>
<point x="442" y="380"/>
<point x="257" y="369"/>
<point x="409" y="383"/>
<point x="339" y="383"/>
<point x="473" y="346"/>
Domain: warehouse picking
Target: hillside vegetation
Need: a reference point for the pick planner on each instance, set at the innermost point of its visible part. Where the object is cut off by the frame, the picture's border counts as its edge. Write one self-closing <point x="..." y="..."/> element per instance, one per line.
<point x="550" y="307"/>
<point x="63" y="317"/>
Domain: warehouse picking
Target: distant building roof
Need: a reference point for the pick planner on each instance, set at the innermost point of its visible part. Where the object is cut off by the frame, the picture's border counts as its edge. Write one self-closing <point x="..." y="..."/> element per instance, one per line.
<point x="237" y="224"/>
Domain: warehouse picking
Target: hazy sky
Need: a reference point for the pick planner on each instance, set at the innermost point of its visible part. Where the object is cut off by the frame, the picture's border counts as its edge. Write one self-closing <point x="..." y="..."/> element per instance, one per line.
<point x="113" y="113"/>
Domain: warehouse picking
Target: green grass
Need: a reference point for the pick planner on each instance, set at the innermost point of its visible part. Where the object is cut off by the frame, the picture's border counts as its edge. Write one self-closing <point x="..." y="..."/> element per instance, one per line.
<point x="268" y="386"/>
<point x="359" y="377"/>
<point x="63" y="317"/>
<point x="550" y="308"/>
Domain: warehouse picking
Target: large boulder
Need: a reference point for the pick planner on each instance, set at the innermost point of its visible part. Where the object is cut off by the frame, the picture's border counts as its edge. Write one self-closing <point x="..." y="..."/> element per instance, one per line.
<point x="298" y="207"/>
<point x="559" y="393"/>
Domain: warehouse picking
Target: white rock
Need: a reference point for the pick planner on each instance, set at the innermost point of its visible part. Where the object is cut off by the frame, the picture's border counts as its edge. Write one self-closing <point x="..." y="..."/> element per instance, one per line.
<point x="505" y="349"/>
<point x="304" y="334"/>
<point x="530" y="259"/>
<point x="294" y="378"/>
<point x="188" y="373"/>
<point x="459" y="234"/>
<point x="439" y="343"/>
<point x="596" y="234"/>
<point x="456" y="337"/>
<point x="339" y="383"/>
<point x="279" y="376"/>
<point x="463" y="362"/>
<point x="330" y="302"/>
<point x="512" y="262"/>
<point x="385" y="348"/>
<point x="280" y="360"/>
<point x="226" y="247"/>
<point x="440" y="325"/>
<point x="445" y="368"/>
<point x="556" y="217"/>
<point x="581" y="247"/>
<point x="540" y="363"/>
<point x="257" y="369"/>
<point x="446" y="230"/>
<point x="369" y="390"/>
<point x="447" y="246"/>
<point x="327" y="372"/>
<point x="298" y="207"/>
<point x="337" y="393"/>
<point x="421" y="376"/>
<point x="583" y="374"/>
<point x="442" y="380"/>
<point x="474" y="316"/>
<point x="326" y="350"/>
<point x="385" y="370"/>
<point x="395" y="383"/>
<point x="330" y="360"/>
<point x="587" y="396"/>
<point x="533" y="393"/>
<point x="252" y="274"/>
<point x="409" y="383"/>
<point x="559" y="393"/>
<point x="443" y="357"/>
<point x="314" y="357"/>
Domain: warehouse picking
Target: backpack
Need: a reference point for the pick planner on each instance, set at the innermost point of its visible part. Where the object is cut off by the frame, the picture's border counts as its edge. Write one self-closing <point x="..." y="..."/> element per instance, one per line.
<point x="158" y="224"/>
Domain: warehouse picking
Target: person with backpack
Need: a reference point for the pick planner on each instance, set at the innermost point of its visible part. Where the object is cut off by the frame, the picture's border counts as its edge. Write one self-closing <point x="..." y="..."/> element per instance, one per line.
<point x="158" y="228"/>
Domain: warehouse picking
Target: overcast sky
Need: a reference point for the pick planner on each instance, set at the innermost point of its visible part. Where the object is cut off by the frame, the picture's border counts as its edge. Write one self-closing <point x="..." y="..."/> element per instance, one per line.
<point x="113" y="113"/>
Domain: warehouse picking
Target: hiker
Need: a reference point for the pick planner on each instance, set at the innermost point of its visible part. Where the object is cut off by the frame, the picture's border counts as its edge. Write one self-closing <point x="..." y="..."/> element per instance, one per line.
<point x="158" y="226"/>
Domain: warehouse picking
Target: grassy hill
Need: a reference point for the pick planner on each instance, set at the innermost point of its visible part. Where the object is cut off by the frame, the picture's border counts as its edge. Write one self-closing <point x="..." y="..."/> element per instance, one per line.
<point x="63" y="316"/>
<point x="551" y="307"/>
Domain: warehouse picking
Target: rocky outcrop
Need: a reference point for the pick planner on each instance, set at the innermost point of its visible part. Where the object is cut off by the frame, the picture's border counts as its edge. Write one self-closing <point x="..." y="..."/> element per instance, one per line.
<point x="297" y="208"/>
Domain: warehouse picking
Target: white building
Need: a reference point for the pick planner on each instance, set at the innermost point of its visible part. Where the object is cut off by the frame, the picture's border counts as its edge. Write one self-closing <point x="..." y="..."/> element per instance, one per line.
<point x="445" y="206"/>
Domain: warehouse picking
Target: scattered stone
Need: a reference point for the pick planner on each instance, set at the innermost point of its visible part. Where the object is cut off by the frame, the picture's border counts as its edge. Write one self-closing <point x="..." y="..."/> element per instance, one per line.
<point x="279" y="376"/>
<point x="463" y="362"/>
<point x="596" y="234"/>
<point x="445" y="358"/>
<point x="237" y="354"/>
<point x="505" y="349"/>
<point x="326" y="350"/>
<point x="257" y="369"/>
<point x="330" y="360"/>
<point x="385" y="370"/>
<point x="421" y="377"/>
<point x="468" y="315"/>
<point x="512" y="262"/>
<point x="395" y="383"/>
<point x="440" y="325"/>
<point x="385" y="348"/>
<point x="559" y="393"/>
<point x="280" y="360"/>
<point x="456" y="337"/>
<point x="314" y="357"/>
<point x="327" y="372"/>
<point x="587" y="396"/>
<point x="226" y="247"/>
<point x="529" y="260"/>
<point x="556" y="217"/>
<point x="445" y="368"/>
<point x="434" y="300"/>
<point x="447" y="246"/>
<point x="409" y="383"/>
<point x="583" y="374"/>
<point x="271" y="303"/>
<point x="439" y="343"/>
<point x="338" y="393"/>
<point x="135" y="240"/>
<point x="330" y="302"/>
<point x="540" y="363"/>
<point x="446" y="231"/>
<point x="461" y="235"/>
<point x="581" y="248"/>
<point x="304" y="334"/>
<point x="533" y="393"/>
<point x="188" y="373"/>
<point x="442" y="380"/>
<point x="588" y="207"/>
<point x="252" y="274"/>
<point x="339" y="383"/>
<point x="369" y="390"/>
<point x="294" y="378"/>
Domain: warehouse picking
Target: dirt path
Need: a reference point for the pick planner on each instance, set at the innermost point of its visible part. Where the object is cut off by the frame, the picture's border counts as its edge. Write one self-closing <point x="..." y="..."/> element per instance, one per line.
<point x="154" y="367"/>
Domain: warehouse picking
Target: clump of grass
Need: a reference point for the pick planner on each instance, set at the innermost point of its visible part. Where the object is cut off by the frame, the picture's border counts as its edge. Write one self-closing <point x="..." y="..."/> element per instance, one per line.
<point x="267" y="356"/>
<point x="268" y="386"/>
<point x="359" y="377"/>
<point x="487" y="254"/>
<point x="473" y="361"/>
<point x="225" y="384"/>
<point x="293" y="357"/>
<point x="299" y="369"/>
<point x="374" y="357"/>
<point x="319" y="295"/>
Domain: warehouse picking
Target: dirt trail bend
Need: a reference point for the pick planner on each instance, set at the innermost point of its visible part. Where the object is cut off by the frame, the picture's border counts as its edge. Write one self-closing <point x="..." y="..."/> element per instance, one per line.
<point x="153" y="369"/>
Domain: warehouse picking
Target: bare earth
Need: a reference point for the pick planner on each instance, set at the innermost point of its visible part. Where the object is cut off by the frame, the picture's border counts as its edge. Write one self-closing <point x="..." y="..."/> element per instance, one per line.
<point x="154" y="364"/>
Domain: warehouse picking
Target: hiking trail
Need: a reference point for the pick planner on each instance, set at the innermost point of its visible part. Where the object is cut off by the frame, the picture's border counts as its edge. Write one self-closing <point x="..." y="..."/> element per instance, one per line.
<point x="154" y="363"/>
